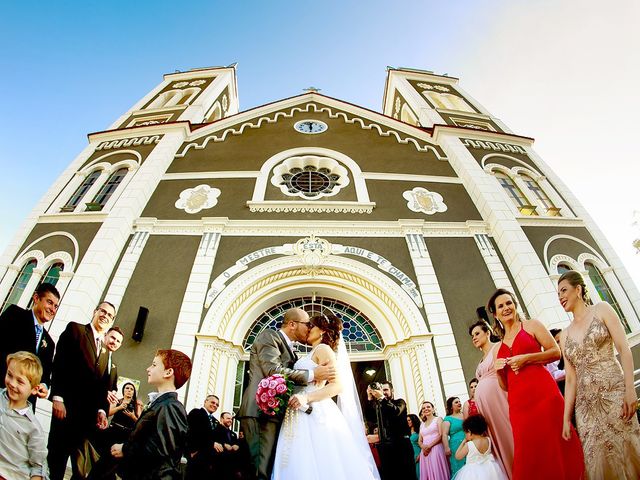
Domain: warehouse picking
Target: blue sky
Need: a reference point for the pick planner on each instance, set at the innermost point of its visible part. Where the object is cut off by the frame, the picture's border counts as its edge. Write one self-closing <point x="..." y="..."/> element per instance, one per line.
<point x="543" y="67"/>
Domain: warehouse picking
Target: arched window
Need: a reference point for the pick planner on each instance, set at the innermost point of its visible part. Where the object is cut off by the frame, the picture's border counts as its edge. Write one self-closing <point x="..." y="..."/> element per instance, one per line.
<point x="80" y="191"/>
<point x="540" y="194"/>
<point x="407" y="116"/>
<point x="52" y="275"/>
<point x="604" y="291"/>
<point x="188" y="95"/>
<point x="107" y="189"/>
<point x="563" y="268"/>
<point x="515" y="194"/>
<point x="20" y="284"/>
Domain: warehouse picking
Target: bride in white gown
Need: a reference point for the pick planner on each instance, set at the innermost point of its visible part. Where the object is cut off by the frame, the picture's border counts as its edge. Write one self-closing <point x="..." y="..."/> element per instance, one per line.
<point x="328" y="443"/>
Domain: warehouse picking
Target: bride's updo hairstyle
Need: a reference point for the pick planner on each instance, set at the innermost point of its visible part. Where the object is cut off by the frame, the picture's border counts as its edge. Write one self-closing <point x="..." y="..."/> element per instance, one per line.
<point x="331" y="326"/>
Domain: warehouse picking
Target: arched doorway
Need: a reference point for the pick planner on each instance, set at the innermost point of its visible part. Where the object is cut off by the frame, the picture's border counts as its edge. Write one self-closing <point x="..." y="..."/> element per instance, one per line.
<point x="363" y="341"/>
<point x="405" y="341"/>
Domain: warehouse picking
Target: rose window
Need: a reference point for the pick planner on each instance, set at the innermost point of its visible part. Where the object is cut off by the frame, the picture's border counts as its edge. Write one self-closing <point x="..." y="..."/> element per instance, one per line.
<point x="310" y="177"/>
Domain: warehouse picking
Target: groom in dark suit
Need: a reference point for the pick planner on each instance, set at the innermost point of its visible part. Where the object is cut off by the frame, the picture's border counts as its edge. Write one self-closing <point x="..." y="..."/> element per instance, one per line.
<point x="272" y="352"/>
<point x="78" y="388"/>
<point x="24" y="330"/>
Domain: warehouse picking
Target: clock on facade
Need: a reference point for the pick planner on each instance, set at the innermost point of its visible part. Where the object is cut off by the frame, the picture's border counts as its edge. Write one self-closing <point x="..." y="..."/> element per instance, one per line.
<point x="310" y="126"/>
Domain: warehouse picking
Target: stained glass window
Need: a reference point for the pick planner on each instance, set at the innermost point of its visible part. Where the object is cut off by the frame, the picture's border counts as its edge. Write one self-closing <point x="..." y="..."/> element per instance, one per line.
<point x="110" y="186"/>
<point x="52" y="275"/>
<point x="19" y="284"/>
<point x="514" y="193"/>
<point x="604" y="292"/>
<point x="360" y="333"/>
<point x="81" y="190"/>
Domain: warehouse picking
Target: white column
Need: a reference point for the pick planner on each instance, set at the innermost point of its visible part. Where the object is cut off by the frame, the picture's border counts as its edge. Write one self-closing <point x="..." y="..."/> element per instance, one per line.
<point x="27" y="293"/>
<point x="63" y="282"/>
<point x="126" y="268"/>
<point x="188" y="324"/>
<point x="214" y="371"/>
<point x="536" y="289"/>
<point x="92" y="275"/>
<point x="454" y="383"/>
<point x="492" y="260"/>
<point x="414" y="372"/>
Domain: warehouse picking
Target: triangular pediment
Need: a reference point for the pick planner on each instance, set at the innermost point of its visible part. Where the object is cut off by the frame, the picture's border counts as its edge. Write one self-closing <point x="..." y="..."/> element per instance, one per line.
<point x="310" y="105"/>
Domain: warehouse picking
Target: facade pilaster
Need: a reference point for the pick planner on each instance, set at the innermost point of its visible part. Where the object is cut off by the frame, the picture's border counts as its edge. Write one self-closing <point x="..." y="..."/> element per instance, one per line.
<point x="446" y="350"/>
<point x="126" y="267"/>
<point x="214" y="372"/>
<point x="536" y="289"/>
<point x="91" y="277"/>
<point x="188" y="324"/>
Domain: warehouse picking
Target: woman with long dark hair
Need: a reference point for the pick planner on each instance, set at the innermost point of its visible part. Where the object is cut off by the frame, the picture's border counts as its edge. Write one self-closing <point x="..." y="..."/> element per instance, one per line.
<point x="601" y="389"/>
<point x="452" y="433"/>
<point x="535" y="403"/>
<point x="490" y="399"/>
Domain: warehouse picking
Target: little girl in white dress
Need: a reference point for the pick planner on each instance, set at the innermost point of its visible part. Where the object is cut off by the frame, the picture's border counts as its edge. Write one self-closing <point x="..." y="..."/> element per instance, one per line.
<point x="481" y="464"/>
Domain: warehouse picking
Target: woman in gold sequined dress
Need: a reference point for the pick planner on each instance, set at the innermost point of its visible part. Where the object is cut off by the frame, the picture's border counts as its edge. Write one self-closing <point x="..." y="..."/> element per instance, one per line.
<point x="600" y="388"/>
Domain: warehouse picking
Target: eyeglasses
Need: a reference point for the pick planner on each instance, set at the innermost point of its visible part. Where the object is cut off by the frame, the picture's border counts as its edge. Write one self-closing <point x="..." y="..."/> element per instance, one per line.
<point x="102" y="311"/>
<point x="306" y="324"/>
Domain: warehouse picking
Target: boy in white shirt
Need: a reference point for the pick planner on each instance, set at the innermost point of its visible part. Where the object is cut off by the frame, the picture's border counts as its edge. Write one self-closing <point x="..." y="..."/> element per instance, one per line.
<point x="23" y="452"/>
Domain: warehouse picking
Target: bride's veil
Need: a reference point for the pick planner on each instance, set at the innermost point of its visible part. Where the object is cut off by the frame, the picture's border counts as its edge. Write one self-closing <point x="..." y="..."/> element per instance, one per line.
<point x="349" y="405"/>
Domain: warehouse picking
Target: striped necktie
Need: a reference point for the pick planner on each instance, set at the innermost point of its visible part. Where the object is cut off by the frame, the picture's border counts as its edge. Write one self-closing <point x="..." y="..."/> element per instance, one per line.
<point x="39" y="329"/>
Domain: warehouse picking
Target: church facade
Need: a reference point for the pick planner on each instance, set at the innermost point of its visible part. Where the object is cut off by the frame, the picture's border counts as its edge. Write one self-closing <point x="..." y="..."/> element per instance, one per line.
<point x="210" y="222"/>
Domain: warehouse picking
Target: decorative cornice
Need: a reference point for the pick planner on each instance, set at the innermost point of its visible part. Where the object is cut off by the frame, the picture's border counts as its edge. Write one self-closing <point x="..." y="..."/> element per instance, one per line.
<point x="128" y="142"/>
<point x="73" y="217"/>
<point x="273" y="117"/>
<point x="401" y="177"/>
<point x="483" y="139"/>
<point x="196" y="73"/>
<point x="492" y="145"/>
<point x="290" y="206"/>
<point x="328" y="228"/>
<point x="209" y="175"/>
<point x="550" y="222"/>
<point x="141" y="131"/>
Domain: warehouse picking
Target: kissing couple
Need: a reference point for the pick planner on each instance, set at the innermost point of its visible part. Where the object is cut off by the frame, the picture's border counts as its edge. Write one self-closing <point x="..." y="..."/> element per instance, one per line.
<point x="328" y="442"/>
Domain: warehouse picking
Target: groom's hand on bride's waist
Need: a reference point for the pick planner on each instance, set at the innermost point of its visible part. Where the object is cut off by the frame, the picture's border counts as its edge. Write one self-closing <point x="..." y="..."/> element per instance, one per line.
<point x="324" y="371"/>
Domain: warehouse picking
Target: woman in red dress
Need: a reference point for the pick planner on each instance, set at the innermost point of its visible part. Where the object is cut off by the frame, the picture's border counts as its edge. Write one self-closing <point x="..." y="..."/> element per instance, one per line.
<point x="535" y="404"/>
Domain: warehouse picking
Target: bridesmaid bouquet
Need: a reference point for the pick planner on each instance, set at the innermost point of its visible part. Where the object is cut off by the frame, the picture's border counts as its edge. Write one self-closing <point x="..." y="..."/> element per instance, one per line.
<point x="273" y="394"/>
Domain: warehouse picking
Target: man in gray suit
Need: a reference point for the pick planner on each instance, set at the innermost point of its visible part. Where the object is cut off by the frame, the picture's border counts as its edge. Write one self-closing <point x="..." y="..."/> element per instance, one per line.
<point x="272" y="352"/>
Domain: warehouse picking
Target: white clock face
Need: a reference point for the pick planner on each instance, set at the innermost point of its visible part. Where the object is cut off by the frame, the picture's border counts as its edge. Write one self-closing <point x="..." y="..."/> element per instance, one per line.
<point x="310" y="126"/>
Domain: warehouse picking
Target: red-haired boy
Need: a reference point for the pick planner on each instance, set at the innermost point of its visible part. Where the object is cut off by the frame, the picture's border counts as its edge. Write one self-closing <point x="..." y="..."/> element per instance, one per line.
<point x="155" y="447"/>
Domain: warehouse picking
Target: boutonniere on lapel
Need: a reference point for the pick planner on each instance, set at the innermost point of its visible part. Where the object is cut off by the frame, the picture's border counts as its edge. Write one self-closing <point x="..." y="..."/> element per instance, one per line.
<point x="43" y="343"/>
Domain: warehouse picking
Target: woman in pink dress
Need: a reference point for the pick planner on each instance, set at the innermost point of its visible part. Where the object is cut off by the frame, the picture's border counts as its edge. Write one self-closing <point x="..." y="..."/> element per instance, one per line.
<point x="491" y="399"/>
<point x="433" y="462"/>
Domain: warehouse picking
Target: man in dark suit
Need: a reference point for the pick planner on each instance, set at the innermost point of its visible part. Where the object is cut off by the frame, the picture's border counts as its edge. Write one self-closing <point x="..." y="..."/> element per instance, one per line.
<point x="394" y="448"/>
<point x="272" y="352"/>
<point x="112" y="340"/>
<point x="78" y="388"/>
<point x="24" y="330"/>
<point x="228" y="465"/>
<point x="201" y="446"/>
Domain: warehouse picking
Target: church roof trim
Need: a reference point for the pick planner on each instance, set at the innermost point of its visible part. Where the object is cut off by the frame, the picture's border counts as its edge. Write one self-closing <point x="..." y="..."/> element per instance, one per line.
<point x="271" y="112"/>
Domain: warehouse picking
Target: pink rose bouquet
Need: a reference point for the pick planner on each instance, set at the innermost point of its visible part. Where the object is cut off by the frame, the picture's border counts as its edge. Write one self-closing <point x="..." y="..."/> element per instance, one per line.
<point x="273" y="394"/>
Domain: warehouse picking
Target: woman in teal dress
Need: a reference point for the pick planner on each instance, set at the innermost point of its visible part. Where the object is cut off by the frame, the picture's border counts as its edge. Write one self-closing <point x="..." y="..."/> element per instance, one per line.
<point x="414" y="427"/>
<point x="452" y="433"/>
